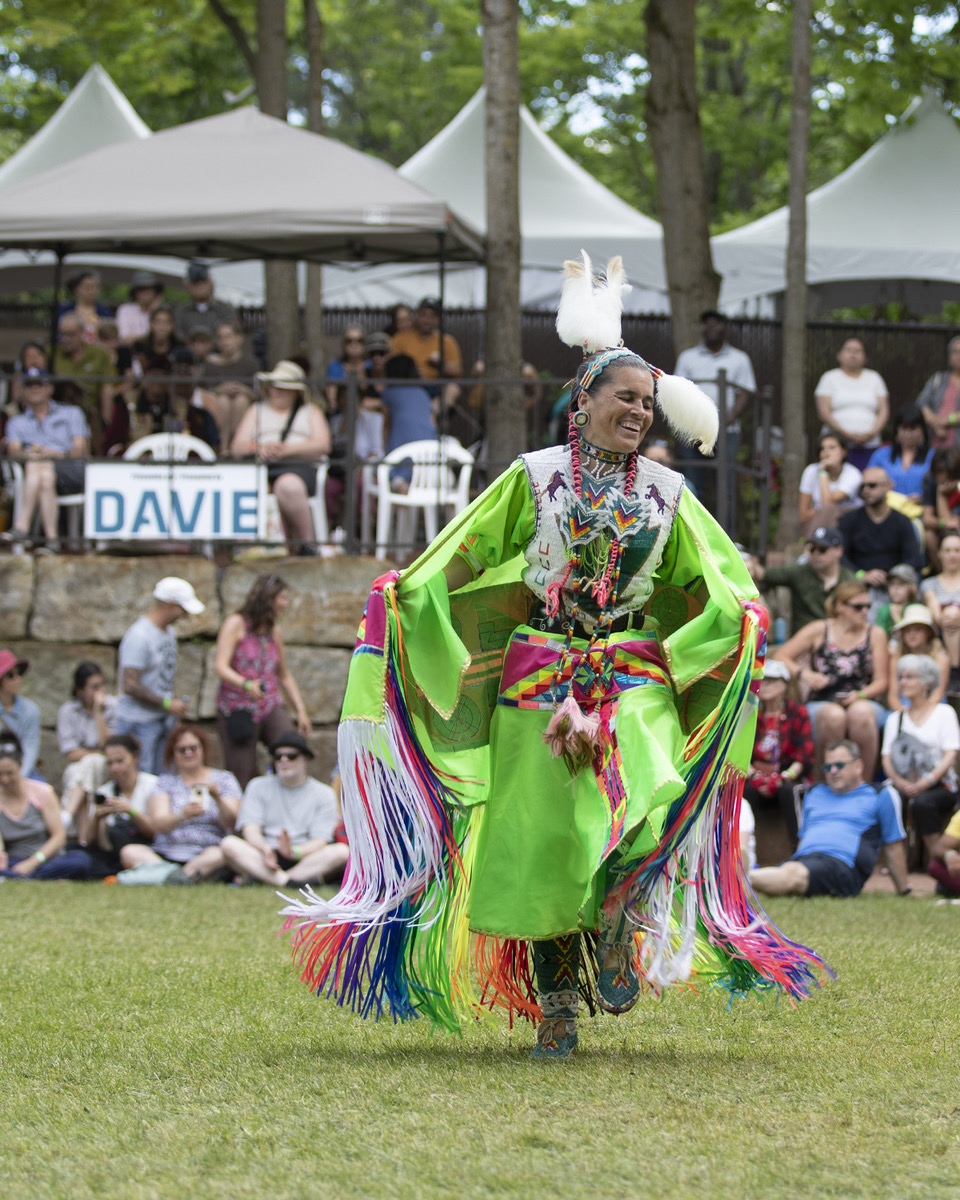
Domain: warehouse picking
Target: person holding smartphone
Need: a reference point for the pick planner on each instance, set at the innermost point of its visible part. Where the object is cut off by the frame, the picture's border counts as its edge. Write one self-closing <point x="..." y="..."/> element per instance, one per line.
<point x="117" y="816"/>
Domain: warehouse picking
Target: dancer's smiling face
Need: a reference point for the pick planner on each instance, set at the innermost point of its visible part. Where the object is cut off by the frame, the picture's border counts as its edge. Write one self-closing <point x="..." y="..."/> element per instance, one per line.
<point x="620" y="404"/>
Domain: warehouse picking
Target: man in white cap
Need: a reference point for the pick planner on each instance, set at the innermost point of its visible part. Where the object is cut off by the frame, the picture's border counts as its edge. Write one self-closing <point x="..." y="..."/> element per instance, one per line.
<point x="148" y="664"/>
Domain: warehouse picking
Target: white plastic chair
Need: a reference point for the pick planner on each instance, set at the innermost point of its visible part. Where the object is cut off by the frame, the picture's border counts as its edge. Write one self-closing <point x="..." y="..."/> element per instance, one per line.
<point x="318" y="505"/>
<point x="169" y="447"/>
<point x="13" y="476"/>
<point x="435" y="484"/>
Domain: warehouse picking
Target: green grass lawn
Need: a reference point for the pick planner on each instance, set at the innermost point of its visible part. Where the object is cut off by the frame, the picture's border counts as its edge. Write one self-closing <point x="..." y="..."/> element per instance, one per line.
<point x="156" y="1043"/>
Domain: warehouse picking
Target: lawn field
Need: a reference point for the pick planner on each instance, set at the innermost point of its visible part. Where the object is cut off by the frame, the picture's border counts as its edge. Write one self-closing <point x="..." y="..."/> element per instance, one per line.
<point x="156" y="1043"/>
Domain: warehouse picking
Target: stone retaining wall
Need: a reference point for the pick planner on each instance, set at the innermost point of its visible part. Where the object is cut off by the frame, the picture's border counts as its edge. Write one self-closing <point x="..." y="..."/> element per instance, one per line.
<point x="58" y="612"/>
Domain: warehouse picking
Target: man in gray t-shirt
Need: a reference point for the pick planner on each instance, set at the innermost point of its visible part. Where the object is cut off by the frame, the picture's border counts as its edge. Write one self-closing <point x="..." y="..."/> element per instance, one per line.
<point x="288" y="822"/>
<point x="148" y="665"/>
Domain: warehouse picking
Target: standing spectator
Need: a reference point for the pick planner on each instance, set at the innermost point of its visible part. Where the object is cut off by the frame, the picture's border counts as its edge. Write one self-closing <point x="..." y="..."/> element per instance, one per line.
<point x="920" y="748"/>
<point x="289" y="433"/>
<point x="829" y="486"/>
<point x="147" y="667"/>
<point x="83" y="726"/>
<point x="703" y="363"/>
<point x="811" y="581"/>
<point x="378" y="350"/>
<point x="133" y="318"/>
<point x="853" y="401"/>
<point x="154" y="352"/>
<point x="844" y="823"/>
<point x="877" y="537"/>
<point x="847" y="675"/>
<point x="902" y="581"/>
<point x="400" y="320"/>
<point x="941" y="594"/>
<point x="914" y="633"/>
<point x="193" y="808"/>
<point x="74" y="357"/>
<point x="117" y="814"/>
<point x="202" y="308"/>
<point x="939" y="400"/>
<point x="31" y="834"/>
<point x="51" y="440"/>
<point x="907" y="460"/>
<point x="407" y="415"/>
<point x="352" y="361"/>
<point x="18" y="715"/>
<point x="252" y="665"/>
<point x="287" y="823"/>
<point x="782" y="749"/>
<point x="940" y="497"/>
<point x="422" y="342"/>
<point x="84" y="303"/>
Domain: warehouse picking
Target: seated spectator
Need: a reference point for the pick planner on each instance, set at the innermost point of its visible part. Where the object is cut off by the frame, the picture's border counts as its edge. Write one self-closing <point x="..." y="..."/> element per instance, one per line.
<point x="378" y="351"/>
<point x="252" y="665"/>
<point x="133" y="318"/>
<point x="400" y="320"/>
<point x="852" y="400"/>
<point x="287" y="823"/>
<point x="914" y="633"/>
<point x="902" y="583"/>
<point x="944" y="863"/>
<point x="812" y="580"/>
<point x="18" y="715"/>
<point x="782" y="749"/>
<point x="352" y="361"/>
<point x="83" y="726"/>
<point x="907" y="459"/>
<point x="32" y="354"/>
<point x="847" y="675"/>
<point x="941" y="594"/>
<point x="843" y="825"/>
<point x="920" y="748"/>
<point x="74" y="361"/>
<point x="84" y="304"/>
<point x="289" y="433"/>
<point x="51" y="440"/>
<point x="196" y="410"/>
<point x="829" y="486"/>
<point x="939" y="400"/>
<point x="192" y="810"/>
<point x="31" y="833"/>
<point x="200" y="345"/>
<point x="154" y="352"/>
<point x="876" y="537"/>
<point x="229" y="373"/>
<point x="203" y="308"/>
<point x="407" y="415"/>
<point x="422" y="342"/>
<point x="116" y="815"/>
<point x="940" y="496"/>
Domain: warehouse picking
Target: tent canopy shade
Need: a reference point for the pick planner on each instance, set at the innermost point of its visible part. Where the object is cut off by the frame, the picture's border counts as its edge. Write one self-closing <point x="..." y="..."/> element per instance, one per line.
<point x="238" y="186"/>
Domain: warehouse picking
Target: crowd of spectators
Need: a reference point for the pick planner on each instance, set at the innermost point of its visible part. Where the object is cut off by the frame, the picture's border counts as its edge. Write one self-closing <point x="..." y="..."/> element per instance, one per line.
<point x="140" y="800"/>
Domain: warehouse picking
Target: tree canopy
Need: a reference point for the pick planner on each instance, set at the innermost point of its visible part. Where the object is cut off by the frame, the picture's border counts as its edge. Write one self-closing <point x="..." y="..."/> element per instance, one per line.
<point x="396" y="71"/>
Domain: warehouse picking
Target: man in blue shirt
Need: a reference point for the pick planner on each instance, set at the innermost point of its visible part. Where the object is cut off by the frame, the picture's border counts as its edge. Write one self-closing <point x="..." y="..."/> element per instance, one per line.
<point x="51" y="440"/>
<point x="845" y="821"/>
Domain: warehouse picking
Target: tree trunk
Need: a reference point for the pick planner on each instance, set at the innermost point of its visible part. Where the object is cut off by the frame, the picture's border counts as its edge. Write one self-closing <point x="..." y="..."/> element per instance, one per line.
<point x="505" y="413"/>
<point x="313" y="308"/>
<point x="280" y="276"/>
<point x="793" y="387"/>
<point x="673" y="123"/>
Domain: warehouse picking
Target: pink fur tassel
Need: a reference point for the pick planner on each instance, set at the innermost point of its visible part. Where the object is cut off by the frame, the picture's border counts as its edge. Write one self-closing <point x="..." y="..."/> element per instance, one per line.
<point x="573" y="735"/>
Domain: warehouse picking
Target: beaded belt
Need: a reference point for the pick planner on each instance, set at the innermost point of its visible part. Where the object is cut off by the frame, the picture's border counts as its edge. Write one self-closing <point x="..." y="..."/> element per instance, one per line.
<point x="538" y="619"/>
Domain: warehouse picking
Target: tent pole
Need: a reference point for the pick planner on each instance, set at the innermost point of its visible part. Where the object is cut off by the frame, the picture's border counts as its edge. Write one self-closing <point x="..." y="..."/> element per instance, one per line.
<point x="442" y="368"/>
<point x="55" y="303"/>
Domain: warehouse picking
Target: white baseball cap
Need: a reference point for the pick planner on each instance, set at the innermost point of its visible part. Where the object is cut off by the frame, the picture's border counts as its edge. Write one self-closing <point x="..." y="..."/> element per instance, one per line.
<point x="172" y="590"/>
<point x="774" y="669"/>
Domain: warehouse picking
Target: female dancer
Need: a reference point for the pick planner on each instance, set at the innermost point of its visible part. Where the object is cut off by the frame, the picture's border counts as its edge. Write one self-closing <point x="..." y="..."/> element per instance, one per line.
<point x="585" y="601"/>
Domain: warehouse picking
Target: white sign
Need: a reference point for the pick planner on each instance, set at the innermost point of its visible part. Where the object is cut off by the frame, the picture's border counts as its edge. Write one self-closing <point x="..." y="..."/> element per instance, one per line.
<point x="196" y="500"/>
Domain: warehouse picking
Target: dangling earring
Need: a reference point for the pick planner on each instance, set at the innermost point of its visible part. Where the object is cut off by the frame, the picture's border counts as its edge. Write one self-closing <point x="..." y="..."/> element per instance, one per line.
<point x="581" y="418"/>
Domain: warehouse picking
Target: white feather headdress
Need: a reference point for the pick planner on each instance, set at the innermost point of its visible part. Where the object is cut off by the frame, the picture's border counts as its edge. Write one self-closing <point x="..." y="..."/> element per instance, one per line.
<point x="589" y="316"/>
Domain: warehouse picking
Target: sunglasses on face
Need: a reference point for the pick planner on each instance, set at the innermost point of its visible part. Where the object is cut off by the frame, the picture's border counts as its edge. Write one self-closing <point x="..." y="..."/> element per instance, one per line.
<point x="860" y="607"/>
<point x="864" y="486"/>
<point x="359" y="341"/>
<point x="15" y="673"/>
<point x="187" y="750"/>
<point x="286" y="756"/>
<point x="829" y="768"/>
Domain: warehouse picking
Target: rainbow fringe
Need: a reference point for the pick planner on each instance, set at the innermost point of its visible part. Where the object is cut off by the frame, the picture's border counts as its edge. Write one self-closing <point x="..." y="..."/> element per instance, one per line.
<point x="691" y="889"/>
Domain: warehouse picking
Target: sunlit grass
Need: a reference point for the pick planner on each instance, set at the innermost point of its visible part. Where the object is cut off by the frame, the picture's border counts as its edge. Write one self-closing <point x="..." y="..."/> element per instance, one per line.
<point x="156" y="1043"/>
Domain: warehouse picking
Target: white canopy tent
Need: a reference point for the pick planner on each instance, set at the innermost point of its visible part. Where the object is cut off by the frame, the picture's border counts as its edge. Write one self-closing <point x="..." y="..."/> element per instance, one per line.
<point x="235" y="186"/>
<point x="562" y="209"/>
<point x="884" y="230"/>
